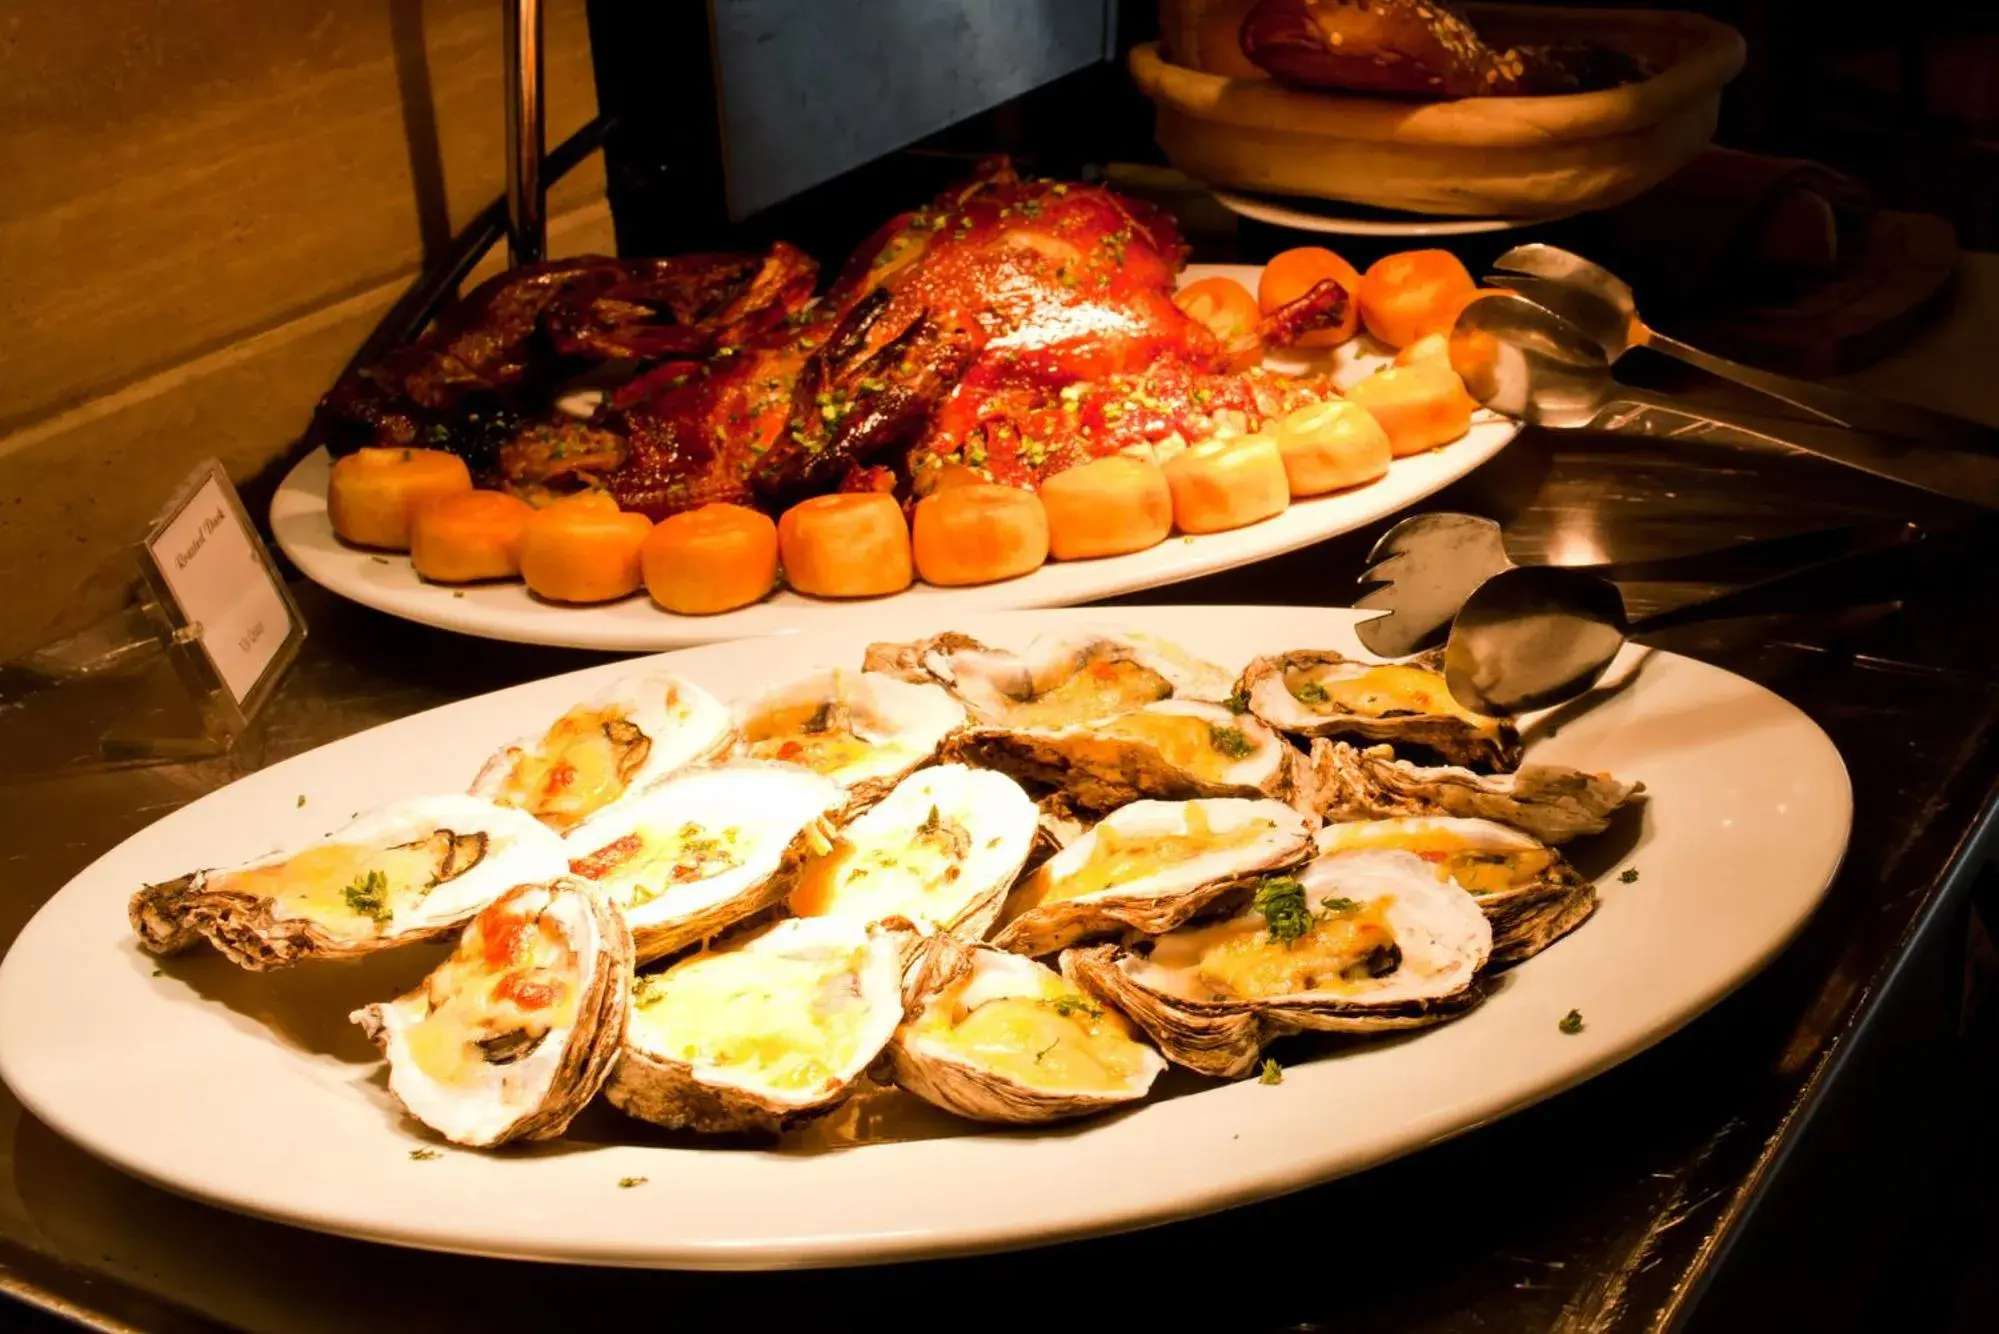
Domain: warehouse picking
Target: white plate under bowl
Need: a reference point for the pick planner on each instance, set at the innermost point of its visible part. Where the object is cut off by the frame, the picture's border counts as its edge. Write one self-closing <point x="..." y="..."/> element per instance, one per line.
<point x="635" y="624"/>
<point x="1334" y="218"/>
<point x="253" y="1092"/>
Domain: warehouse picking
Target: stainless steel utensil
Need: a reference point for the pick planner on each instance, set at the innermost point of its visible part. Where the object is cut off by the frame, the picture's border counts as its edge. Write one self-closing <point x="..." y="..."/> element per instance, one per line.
<point x="1601" y="304"/>
<point x="1536" y="635"/>
<point x="1522" y="359"/>
<point x="1424" y="568"/>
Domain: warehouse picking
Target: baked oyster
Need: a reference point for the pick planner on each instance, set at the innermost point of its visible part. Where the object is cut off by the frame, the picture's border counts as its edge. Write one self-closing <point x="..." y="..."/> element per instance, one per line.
<point x="408" y="871"/>
<point x="1317" y="692"/>
<point x="1057" y="681"/>
<point x="514" y="1033"/>
<point x="1172" y="750"/>
<point x="1553" y="803"/>
<point x="1355" y="942"/>
<point x="1150" y="866"/>
<point x="1530" y="894"/>
<point x="770" y="1030"/>
<point x="863" y="730"/>
<point x="938" y="853"/>
<point x="632" y="733"/>
<point x="994" y="1036"/>
<point x="705" y="848"/>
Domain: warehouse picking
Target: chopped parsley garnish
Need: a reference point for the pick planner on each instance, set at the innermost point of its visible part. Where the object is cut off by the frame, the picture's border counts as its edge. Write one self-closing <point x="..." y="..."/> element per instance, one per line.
<point x="1310" y="692"/>
<point x="1628" y="876"/>
<point x="626" y="1183"/>
<point x="368" y="897"/>
<point x="647" y="987"/>
<point x="379" y="560"/>
<point x="159" y="972"/>
<point x="1281" y="900"/>
<point x="1045" y="1050"/>
<point x="931" y="822"/>
<point x="1572" y="1023"/>
<point x="301" y="798"/>
<point x="1231" y="742"/>
<point x="424" y="1155"/>
<point x="1330" y="906"/>
<point x="1070" y="1006"/>
<point x="1237" y="703"/>
<point x="1272" y="1072"/>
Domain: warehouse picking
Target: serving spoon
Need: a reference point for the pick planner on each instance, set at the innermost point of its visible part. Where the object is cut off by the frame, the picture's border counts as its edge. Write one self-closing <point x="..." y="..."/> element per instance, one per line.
<point x="1524" y="360"/>
<point x="1602" y="306"/>
<point x="1535" y="635"/>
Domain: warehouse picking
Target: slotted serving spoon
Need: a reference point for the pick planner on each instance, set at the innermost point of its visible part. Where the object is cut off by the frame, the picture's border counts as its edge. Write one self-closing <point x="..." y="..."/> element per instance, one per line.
<point x="1602" y="306"/>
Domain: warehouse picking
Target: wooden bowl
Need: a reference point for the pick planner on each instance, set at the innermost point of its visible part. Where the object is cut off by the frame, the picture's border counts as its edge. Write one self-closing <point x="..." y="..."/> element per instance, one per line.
<point x="1522" y="157"/>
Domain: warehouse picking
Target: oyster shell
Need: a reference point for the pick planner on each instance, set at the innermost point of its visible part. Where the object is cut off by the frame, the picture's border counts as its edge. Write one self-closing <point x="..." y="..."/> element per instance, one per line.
<point x="1150" y="866"/>
<point x="938" y="853"/>
<point x="705" y="848"/>
<point x="408" y="871"/>
<point x="516" y="1031"/>
<point x="770" y="1030"/>
<point x="1357" y="942"/>
<point x="998" y="1037"/>
<point x="1530" y="894"/>
<point x="1317" y="692"/>
<point x="863" y="730"/>
<point x="629" y="735"/>
<point x="1553" y="803"/>
<point x="1172" y="750"/>
<point x="1056" y="681"/>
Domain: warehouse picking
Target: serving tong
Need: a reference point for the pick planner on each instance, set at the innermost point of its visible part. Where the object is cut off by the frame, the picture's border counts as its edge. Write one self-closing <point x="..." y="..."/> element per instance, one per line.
<point x="1525" y="637"/>
<point x="1542" y="349"/>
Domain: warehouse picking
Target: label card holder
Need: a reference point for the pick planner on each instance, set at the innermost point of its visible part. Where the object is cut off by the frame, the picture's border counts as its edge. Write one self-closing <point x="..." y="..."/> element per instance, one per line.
<point x="222" y="611"/>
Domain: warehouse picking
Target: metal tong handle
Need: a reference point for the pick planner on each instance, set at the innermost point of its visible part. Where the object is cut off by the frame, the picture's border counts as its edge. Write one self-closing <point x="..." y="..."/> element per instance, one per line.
<point x="1832" y="579"/>
<point x="1955" y="474"/>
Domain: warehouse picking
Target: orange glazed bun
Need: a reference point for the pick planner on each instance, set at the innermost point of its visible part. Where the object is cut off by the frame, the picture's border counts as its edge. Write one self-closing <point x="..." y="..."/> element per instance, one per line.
<point x="469" y="535"/>
<point x="583" y="549"/>
<point x="372" y="493"/>
<point x="1227" y="483"/>
<point x="850" y="545"/>
<point x="1416" y="292"/>
<point x="716" y="558"/>
<point x="1421" y="405"/>
<point x="1107" y="507"/>
<point x="1329" y="446"/>
<point x="979" y="534"/>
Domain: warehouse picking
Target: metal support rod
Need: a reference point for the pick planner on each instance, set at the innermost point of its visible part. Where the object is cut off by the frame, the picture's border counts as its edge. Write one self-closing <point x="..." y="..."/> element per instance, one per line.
<point x="527" y="241"/>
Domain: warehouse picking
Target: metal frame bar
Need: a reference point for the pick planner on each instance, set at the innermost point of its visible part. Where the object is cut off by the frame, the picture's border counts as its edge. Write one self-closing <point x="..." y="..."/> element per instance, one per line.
<point x="527" y="222"/>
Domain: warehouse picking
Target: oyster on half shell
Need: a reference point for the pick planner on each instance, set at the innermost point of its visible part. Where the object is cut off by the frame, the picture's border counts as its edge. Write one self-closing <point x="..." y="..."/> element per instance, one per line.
<point x="998" y="1037"/>
<point x="514" y="1033"/>
<point x="412" y="870"/>
<point x="1317" y="692"/>
<point x="1057" y="680"/>
<point x="705" y="848"/>
<point x="772" y="1029"/>
<point x="863" y="730"/>
<point x="1553" y="803"/>
<point x="1150" y="866"/>
<point x="1356" y="942"/>
<point x="938" y="853"/>
<point x="1172" y="750"/>
<point x="626" y="736"/>
<point x="1530" y="894"/>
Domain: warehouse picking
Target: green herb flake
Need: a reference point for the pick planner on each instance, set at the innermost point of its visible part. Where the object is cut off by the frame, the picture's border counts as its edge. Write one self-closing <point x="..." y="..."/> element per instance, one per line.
<point x="1045" y="1050"/>
<point x="1237" y="703"/>
<point x="1628" y="876"/>
<point x="1231" y="742"/>
<point x="159" y="972"/>
<point x="301" y="799"/>
<point x="931" y="822"/>
<point x="424" y="1155"/>
<point x="1070" y="1006"/>
<point x="1572" y="1023"/>
<point x="627" y="1183"/>
<point x="1327" y="907"/>
<point x="379" y="560"/>
<point x="1310" y="692"/>
<point x="1272" y="1072"/>
<point x="368" y="897"/>
<point x="458" y="592"/>
<point x="1281" y="900"/>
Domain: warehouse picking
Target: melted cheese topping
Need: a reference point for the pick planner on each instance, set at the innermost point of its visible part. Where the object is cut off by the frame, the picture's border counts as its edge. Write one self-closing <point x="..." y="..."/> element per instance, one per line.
<point x="1477" y="869"/>
<point x="1379" y="692"/>
<point x="512" y="979"/>
<point x="1096" y="690"/>
<point x="1057" y="1039"/>
<point x="577" y="768"/>
<point x="792" y="1023"/>
<point x="1237" y="960"/>
<point x="647" y="862"/>
<point x="816" y="734"/>
<point x="914" y="874"/>
<point x="1187" y="741"/>
<point x="1116" y="856"/>
<point x="352" y="890"/>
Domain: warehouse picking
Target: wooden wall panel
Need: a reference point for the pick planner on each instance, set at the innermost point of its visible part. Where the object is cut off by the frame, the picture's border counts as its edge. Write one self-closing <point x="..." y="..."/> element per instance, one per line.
<point x="208" y="205"/>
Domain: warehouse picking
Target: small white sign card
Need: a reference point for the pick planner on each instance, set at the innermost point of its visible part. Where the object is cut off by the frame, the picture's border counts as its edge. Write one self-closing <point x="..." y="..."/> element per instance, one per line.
<point x="234" y="627"/>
